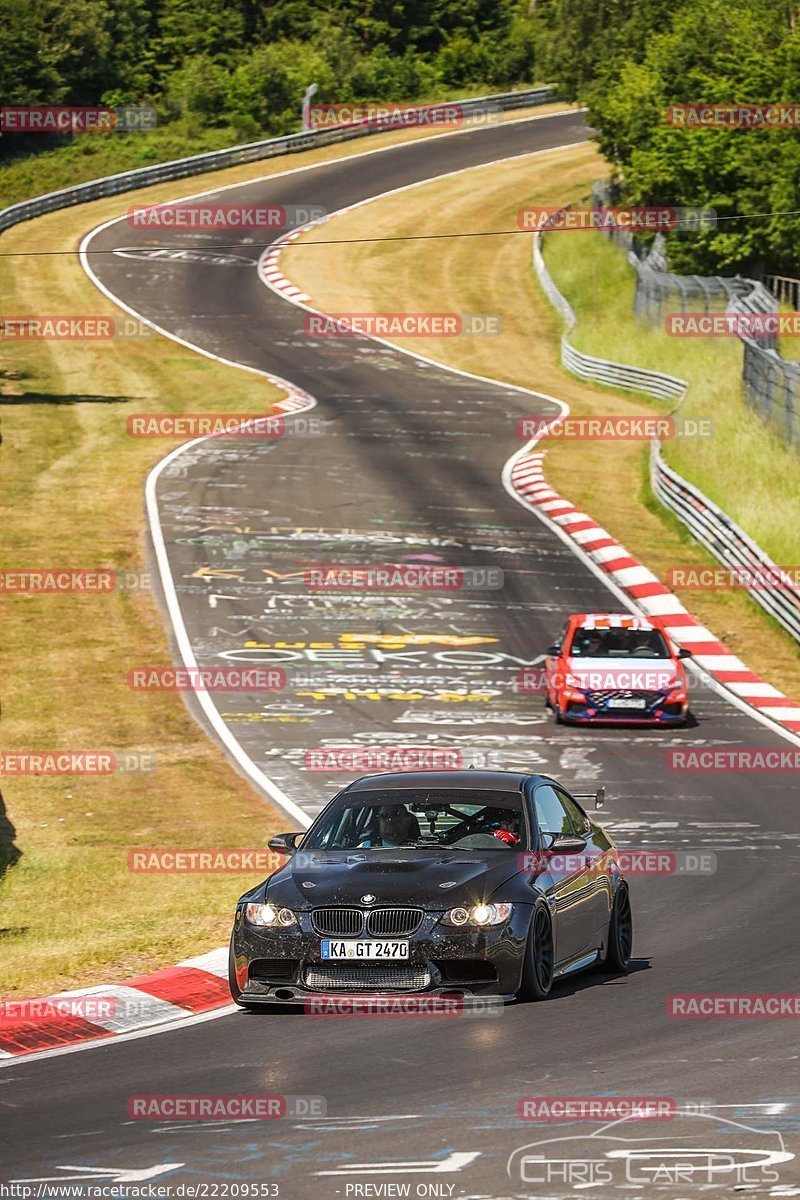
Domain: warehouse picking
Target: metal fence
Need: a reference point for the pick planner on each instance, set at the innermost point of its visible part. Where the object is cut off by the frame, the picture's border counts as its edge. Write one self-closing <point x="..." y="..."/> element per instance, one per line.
<point x="215" y="160"/>
<point x="659" y="291"/>
<point x="784" y="288"/>
<point x="729" y="544"/>
<point x="771" y="383"/>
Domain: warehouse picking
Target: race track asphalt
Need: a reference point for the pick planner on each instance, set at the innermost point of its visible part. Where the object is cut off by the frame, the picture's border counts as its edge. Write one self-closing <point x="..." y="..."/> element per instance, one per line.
<point x="408" y="469"/>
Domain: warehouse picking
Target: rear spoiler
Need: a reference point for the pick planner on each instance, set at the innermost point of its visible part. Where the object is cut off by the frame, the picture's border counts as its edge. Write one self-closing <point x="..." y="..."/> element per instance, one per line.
<point x="599" y="796"/>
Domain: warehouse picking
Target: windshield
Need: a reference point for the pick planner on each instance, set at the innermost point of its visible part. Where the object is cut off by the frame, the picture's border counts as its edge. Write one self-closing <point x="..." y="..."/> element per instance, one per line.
<point x="619" y="643"/>
<point x="463" y="820"/>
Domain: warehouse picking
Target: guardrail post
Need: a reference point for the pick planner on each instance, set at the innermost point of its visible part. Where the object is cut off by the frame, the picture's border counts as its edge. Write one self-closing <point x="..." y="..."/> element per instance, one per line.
<point x="306" y="109"/>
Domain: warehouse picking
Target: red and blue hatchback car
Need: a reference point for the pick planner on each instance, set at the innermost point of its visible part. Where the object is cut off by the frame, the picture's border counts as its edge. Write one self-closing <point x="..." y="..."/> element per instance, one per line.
<point x="616" y="668"/>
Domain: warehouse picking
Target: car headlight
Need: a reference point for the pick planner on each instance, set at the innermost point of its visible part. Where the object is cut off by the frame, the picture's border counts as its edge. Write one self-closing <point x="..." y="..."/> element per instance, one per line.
<point x="269" y="917"/>
<point x="481" y="915"/>
<point x="572" y="681"/>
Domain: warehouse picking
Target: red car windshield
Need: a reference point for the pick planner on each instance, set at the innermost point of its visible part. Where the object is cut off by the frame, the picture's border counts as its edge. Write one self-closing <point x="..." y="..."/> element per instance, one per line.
<point x="619" y="643"/>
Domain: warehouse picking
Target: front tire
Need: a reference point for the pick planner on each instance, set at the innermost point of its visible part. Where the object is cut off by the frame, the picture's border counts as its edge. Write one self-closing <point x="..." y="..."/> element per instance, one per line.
<point x="620" y="934"/>
<point x="537" y="970"/>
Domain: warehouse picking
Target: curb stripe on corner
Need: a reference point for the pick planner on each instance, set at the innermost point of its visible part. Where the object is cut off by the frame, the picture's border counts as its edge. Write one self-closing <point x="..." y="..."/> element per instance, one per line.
<point x="656" y="600"/>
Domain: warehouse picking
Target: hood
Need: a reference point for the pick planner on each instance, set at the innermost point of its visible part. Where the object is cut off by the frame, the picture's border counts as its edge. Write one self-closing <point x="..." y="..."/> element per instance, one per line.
<point x="436" y="881"/>
<point x="628" y="674"/>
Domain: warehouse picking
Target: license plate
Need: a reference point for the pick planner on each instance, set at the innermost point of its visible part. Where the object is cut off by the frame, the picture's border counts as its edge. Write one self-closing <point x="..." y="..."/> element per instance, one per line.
<point x="633" y="702"/>
<point x="371" y="949"/>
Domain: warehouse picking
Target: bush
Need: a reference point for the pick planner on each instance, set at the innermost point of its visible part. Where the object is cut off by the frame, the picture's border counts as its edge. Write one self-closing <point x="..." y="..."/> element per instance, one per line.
<point x="198" y="87"/>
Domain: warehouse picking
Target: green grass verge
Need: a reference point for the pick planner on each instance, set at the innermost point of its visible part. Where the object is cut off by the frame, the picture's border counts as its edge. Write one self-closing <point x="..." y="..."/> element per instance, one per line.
<point x="745" y="466"/>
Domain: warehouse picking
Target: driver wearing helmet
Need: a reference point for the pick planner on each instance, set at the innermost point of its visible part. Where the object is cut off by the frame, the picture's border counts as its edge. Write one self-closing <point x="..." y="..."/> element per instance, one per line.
<point x="396" y="826"/>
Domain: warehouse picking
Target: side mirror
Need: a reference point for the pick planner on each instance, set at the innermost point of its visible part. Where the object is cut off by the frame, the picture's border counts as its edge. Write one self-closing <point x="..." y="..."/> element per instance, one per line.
<point x="567" y="843"/>
<point x="284" y="843"/>
<point x="685" y="652"/>
<point x="599" y="796"/>
<point x="554" y="649"/>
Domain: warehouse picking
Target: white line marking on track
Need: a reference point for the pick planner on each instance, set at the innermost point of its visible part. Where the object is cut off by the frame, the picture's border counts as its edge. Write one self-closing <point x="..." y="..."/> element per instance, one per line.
<point x="454" y="1162"/>
<point x="203" y="698"/>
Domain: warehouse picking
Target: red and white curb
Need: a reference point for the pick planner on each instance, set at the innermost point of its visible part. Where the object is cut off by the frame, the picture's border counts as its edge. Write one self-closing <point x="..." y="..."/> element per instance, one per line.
<point x="649" y="593"/>
<point x="96" y="1013"/>
<point x="270" y="272"/>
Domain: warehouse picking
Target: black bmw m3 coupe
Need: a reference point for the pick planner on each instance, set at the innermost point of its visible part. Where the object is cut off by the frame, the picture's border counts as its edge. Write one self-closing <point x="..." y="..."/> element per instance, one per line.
<point x="461" y="883"/>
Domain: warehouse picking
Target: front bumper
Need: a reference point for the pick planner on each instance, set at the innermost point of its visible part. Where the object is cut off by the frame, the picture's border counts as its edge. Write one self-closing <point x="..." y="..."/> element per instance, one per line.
<point x="573" y="717"/>
<point x="286" y="966"/>
<point x="594" y="710"/>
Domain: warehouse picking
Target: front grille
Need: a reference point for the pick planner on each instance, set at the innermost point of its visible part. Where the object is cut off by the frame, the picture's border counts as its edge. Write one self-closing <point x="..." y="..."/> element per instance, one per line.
<point x="338" y="922"/>
<point x="379" y="922"/>
<point x="600" y="699"/>
<point x="392" y="978"/>
<point x="394" y="922"/>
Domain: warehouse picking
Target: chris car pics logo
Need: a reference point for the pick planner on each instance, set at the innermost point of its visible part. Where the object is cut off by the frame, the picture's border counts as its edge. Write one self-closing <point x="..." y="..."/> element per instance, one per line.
<point x="694" y="1149"/>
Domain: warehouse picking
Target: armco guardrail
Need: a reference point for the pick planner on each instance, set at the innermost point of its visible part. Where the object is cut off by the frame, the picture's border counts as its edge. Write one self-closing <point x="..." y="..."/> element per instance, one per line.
<point x="214" y="160"/>
<point x="602" y="370"/>
<point x="729" y="544"/>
